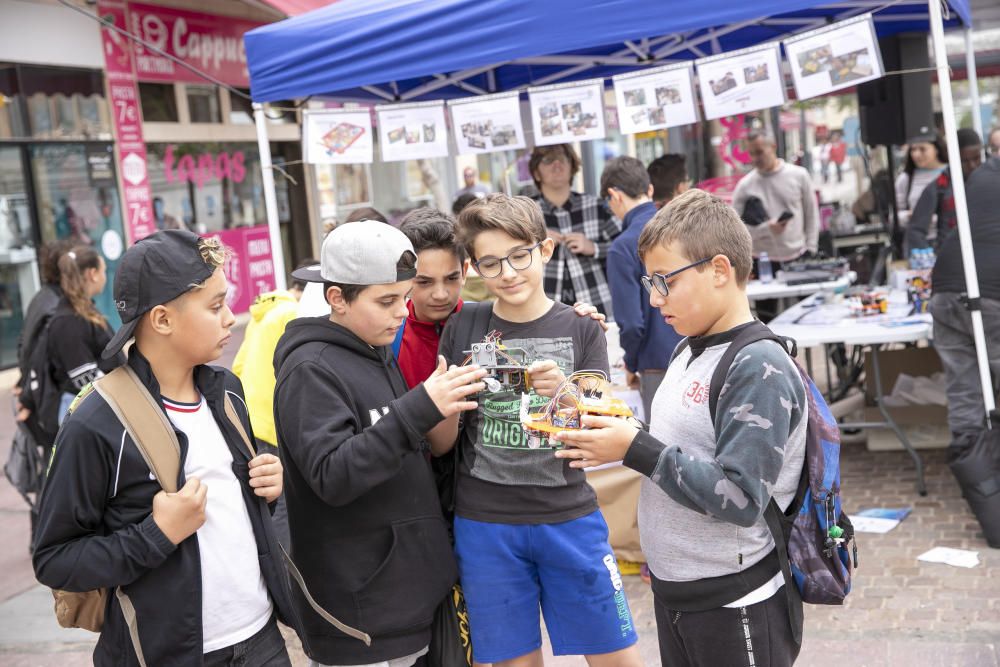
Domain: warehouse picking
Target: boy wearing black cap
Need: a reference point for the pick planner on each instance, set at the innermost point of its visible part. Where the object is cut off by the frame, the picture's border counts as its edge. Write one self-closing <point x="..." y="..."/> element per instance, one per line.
<point x="365" y="521"/>
<point x="193" y="576"/>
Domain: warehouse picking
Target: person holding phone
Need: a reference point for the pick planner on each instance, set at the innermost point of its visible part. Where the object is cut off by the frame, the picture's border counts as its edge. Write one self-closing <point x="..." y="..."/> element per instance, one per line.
<point x="787" y="195"/>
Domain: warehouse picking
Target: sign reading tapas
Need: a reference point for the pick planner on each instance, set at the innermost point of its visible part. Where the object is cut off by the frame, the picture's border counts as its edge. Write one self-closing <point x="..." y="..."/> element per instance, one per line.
<point x="412" y="131"/>
<point x="487" y="123"/>
<point x="337" y="136"/>
<point x="833" y="57"/>
<point x="567" y="112"/>
<point x="741" y="81"/>
<point x="655" y="99"/>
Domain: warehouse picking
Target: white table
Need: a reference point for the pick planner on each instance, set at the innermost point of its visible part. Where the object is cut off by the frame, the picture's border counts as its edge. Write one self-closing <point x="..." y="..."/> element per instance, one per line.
<point x="777" y="289"/>
<point x="813" y="322"/>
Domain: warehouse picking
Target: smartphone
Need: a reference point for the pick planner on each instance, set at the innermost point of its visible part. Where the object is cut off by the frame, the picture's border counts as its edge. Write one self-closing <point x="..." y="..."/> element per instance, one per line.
<point x="785" y="217"/>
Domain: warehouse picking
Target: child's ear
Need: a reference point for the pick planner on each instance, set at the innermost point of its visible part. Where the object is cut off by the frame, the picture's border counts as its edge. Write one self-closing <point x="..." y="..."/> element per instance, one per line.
<point x="547" y="248"/>
<point x="335" y="298"/>
<point x="723" y="270"/>
<point x="161" y="319"/>
<point x="465" y="268"/>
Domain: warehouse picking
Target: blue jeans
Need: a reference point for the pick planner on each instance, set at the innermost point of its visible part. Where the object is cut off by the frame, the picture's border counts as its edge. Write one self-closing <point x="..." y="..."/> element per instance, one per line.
<point x="264" y="649"/>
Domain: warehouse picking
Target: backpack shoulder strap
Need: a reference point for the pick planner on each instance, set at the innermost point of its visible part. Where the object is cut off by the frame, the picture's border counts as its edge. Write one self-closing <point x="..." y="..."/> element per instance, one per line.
<point x="397" y="343"/>
<point x="234" y="418"/>
<point x="145" y="422"/>
<point x="752" y="334"/>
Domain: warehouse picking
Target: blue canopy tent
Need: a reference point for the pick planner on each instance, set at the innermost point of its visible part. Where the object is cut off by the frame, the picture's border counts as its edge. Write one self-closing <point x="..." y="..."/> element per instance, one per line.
<point x="407" y="50"/>
<point x="411" y="50"/>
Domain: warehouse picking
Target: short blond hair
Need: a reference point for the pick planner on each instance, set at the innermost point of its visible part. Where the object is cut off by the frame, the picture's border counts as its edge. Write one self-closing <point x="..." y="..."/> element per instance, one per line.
<point x="213" y="253"/>
<point x="703" y="226"/>
<point x="518" y="217"/>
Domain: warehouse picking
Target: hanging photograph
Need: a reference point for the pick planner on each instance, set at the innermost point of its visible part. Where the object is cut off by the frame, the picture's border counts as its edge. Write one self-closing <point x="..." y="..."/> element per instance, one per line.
<point x="837" y="56"/>
<point x="487" y="123"/>
<point x="741" y="81"/>
<point x="567" y="112"/>
<point x="655" y="99"/>
<point x="337" y="136"/>
<point x="412" y="131"/>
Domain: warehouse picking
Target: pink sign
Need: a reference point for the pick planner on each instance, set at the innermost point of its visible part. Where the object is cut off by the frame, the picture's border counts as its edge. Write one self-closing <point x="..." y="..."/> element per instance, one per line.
<point x="124" y="94"/>
<point x="250" y="268"/>
<point x="203" y="168"/>
<point x="213" y="44"/>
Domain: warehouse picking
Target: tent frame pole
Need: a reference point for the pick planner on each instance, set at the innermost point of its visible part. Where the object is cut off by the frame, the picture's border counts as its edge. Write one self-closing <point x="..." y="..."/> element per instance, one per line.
<point x="972" y="78"/>
<point x="961" y="205"/>
<point x="270" y="200"/>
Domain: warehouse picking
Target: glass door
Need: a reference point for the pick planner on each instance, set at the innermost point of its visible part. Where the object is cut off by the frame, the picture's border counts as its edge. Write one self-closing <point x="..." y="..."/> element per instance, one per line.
<point x="77" y="198"/>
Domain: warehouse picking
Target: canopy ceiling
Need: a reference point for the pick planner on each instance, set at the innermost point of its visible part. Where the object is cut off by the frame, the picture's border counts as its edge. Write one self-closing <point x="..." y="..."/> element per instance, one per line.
<point x="396" y="50"/>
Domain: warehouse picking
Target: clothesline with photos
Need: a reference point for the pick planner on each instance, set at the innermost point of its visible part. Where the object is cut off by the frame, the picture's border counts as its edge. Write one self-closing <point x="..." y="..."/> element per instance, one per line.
<point x="821" y="61"/>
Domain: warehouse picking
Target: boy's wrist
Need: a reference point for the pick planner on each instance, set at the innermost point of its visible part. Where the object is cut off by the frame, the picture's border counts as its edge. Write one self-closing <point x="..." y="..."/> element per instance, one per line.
<point x="643" y="453"/>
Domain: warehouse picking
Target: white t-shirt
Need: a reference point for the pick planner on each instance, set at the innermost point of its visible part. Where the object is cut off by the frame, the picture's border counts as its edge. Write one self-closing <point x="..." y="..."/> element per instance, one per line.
<point x="234" y="600"/>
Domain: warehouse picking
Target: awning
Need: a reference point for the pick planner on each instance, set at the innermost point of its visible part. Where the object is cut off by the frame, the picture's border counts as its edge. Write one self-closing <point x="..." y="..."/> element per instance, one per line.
<point x="388" y="50"/>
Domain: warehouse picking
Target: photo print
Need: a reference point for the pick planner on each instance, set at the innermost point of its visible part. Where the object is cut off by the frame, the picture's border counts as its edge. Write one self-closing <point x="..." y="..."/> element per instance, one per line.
<point x="412" y="131"/>
<point x="727" y="82"/>
<point x="635" y="97"/>
<point x="755" y="73"/>
<point x="834" y="57"/>
<point x="657" y="98"/>
<point x="337" y="136"/>
<point x="489" y="122"/>
<point x="579" y="112"/>
<point x="668" y="95"/>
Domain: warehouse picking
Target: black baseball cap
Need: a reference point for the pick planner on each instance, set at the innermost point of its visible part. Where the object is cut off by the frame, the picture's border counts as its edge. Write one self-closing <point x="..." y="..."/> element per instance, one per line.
<point x="157" y="269"/>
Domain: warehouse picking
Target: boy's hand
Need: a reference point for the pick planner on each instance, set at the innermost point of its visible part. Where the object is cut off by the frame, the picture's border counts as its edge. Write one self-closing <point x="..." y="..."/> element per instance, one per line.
<point x="606" y="440"/>
<point x="448" y="387"/>
<point x="179" y="515"/>
<point x="584" y="309"/>
<point x="265" y="476"/>
<point x="580" y="244"/>
<point x="556" y="237"/>
<point x="545" y="377"/>
<point x="777" y="226"/>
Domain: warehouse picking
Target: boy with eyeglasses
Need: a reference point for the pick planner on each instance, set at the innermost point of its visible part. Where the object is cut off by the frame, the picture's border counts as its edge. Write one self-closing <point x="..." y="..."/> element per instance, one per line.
<point x="528" y="531"/>
<point x="716" y="578"/>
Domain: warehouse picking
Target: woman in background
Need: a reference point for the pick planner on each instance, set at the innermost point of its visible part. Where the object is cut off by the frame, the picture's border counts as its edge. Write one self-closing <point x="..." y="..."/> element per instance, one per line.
<point x="78" y="332"/>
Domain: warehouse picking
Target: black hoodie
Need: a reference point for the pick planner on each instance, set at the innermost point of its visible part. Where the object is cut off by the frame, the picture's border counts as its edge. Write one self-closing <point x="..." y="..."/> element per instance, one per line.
<point x="366" y="526"/>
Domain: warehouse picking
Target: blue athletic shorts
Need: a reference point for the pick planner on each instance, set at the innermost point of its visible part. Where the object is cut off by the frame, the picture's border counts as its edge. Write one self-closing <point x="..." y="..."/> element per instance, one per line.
<point x="568" y="568"/>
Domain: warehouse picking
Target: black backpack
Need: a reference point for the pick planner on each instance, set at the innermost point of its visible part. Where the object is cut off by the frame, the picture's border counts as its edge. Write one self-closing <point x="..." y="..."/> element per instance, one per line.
<point x="40" y="389"/>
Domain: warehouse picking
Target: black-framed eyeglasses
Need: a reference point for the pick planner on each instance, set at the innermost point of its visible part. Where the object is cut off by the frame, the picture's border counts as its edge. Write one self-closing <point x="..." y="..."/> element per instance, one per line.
<point x="659" y="280"/>
<point x="519" y="260"/>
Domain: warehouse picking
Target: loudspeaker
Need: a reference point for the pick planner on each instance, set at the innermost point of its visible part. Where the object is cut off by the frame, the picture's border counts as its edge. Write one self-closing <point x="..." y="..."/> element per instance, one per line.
<point x="895" y="107"/>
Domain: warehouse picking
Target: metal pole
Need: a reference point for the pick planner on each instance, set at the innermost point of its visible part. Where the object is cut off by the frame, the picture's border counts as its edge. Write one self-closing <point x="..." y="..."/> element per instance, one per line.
<point x="972" y="78"/>
<point x="961" y="206"/>
<point x="270" y="200"/>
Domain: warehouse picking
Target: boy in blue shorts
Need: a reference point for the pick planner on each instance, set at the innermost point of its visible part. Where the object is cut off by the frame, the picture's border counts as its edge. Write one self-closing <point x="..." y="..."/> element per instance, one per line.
<point x="528" y="532"/>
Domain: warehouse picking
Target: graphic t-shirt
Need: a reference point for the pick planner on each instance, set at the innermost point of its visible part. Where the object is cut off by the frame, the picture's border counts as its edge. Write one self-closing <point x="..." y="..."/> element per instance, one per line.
<point x="234" y="600"/>
<point x="505" y="476"/>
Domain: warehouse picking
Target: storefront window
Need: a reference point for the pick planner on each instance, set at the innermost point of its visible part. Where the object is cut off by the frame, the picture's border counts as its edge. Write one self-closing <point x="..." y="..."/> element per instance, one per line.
<point x="12" y="123"/>
<point x="18" y="277"/>
<point x="203" y="104"/>
<point x="77" y="199"/>
<point x="159" y="103"/>
<point x="207" y="187"/>
<point x="240" y="109"/>
<point x="65" y="103"/>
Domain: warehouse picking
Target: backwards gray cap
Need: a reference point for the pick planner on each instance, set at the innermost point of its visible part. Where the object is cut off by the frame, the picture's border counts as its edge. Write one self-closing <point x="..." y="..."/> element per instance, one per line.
<point x="365" y="252"/>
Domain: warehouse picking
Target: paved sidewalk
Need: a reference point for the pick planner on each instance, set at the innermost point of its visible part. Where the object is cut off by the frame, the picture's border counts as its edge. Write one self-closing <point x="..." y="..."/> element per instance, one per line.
<point x="902" y="612"/>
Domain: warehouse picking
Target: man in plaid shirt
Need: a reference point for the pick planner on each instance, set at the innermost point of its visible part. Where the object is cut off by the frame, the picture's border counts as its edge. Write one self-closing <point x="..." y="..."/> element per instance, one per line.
<point x="581" y="225"/>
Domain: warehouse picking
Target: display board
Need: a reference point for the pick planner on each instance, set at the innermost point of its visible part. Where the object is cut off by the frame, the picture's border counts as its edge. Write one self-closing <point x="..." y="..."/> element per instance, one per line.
<point x="567" y="112"/>
<point x="412" y="131"/>
<point x="337" y="136"/>
<point x="487" y="123"/>
<point x="655" y="99"/>
<point x="834" y="57"/>
<point x="741" y="81"/>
